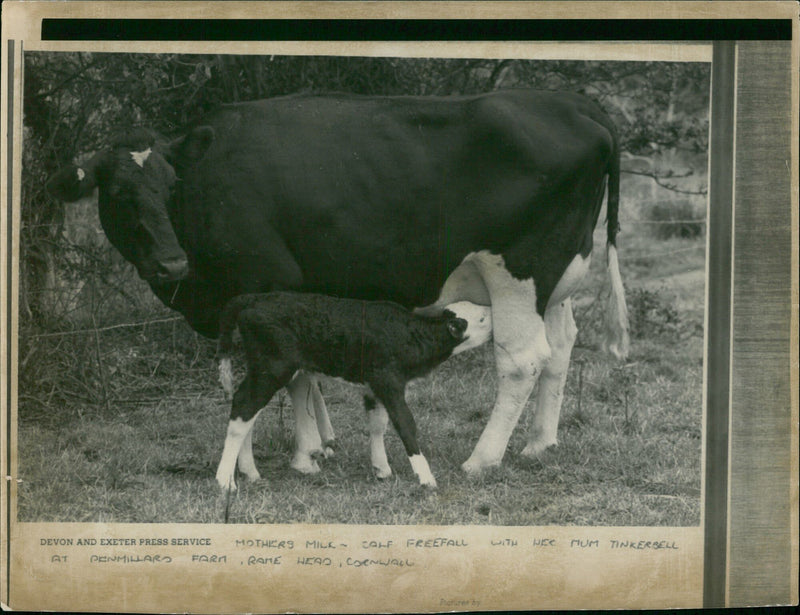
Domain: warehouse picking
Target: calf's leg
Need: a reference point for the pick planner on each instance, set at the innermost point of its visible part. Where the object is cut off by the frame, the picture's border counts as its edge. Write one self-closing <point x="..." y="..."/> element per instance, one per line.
<point x="253" y="394"/>
<point x="323" y="420"/>
<point x="378" y="420"/>
<point x="393" y="398"/>
<point x="247" y="463"/>
<point x="307" y="437"/>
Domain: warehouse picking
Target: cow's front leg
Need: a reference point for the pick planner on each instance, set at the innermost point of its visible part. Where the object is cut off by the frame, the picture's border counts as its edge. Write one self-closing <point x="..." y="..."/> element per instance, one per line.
<point x="561" y="334"/>
<point x="520" y="349"/>
<point x="307" y="440"/>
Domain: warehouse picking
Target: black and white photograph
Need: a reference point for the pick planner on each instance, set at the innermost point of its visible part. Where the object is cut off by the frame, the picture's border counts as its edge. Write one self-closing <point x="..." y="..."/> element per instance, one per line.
<point x="430" y="307"/>
<point x="539" y="227"/>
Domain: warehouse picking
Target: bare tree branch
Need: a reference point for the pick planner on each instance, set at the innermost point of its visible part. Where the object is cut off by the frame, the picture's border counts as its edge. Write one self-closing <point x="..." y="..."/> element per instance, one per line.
<point x="659" y="180"/>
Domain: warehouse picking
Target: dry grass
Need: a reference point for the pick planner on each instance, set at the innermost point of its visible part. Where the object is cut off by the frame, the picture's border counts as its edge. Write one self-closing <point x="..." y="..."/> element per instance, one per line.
<point x="155" y="463"/>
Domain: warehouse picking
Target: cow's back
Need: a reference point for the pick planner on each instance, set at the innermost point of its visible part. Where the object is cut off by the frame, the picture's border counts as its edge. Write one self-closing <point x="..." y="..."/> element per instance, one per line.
<point x="382" y="197"/>
<point x="336" y="133"/>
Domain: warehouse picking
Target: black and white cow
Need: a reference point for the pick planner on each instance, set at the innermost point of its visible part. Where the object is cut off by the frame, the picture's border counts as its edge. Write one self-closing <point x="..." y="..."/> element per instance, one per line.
<point x="376" y="343"/>
<point x="424" y="201"/>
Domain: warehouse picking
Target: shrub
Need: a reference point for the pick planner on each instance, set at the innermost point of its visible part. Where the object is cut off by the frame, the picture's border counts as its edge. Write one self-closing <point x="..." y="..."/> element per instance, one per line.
<point x="650" y="315"/>
<point x="69" y="374"/>
<point x="675" y="219"/>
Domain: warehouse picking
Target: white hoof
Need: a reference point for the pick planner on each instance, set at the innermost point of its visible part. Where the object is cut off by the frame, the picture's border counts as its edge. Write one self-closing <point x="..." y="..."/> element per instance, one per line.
<point x="535" y="449"/>
<point x="382" y="473"/>
<point x="226" y="482"/>
<point x="304" y="464"/>
<point x="473" y="466"/>
<point x="428" y="484"/>
<point x="253" y="476"/>
<point x="423" y="471"/>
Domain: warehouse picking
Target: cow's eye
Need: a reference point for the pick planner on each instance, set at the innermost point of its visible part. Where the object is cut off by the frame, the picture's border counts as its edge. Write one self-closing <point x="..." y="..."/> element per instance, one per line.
<point x="142" y="239"/>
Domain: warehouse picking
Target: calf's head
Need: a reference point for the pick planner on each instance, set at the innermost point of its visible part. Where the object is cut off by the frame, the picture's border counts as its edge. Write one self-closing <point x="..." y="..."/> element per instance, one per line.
<point x="475" y="326"/>
<point x="135" y="179"/>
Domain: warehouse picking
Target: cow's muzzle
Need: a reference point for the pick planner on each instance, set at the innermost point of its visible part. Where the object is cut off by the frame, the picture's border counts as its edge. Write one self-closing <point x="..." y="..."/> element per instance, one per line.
<point x="170" y="271"/>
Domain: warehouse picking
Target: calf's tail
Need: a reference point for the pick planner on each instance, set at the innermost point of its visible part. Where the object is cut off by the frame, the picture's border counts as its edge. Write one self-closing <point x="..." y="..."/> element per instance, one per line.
<point x="617" y="341"/>
<point x="228" y="323"/>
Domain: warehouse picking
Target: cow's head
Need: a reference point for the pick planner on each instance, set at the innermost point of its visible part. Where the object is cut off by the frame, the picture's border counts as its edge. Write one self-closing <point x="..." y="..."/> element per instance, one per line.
<point x="136" y="177"/>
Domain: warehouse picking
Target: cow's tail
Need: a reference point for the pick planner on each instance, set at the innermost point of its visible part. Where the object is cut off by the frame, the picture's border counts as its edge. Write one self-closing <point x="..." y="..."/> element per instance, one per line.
<point x="228" y="324"/>
<point x="617" y="341"/>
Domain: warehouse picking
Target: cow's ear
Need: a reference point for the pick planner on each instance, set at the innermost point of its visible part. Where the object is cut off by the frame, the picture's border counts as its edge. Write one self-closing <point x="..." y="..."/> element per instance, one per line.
<point x="457" y="327"/>
<point x="73" y="183"/>
<point x="187" y="150"/>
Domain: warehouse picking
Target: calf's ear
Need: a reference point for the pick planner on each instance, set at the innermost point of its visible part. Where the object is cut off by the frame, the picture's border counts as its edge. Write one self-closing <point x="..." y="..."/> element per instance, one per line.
<point x="457" y="327"/>
<point x="73" y="183"/>
<point x="187" y="150"/>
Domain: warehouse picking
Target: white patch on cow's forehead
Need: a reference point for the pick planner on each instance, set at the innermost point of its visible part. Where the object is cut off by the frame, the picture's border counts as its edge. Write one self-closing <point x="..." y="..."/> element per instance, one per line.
<point x="81" y="174"/>
<point x="140" y="157"/>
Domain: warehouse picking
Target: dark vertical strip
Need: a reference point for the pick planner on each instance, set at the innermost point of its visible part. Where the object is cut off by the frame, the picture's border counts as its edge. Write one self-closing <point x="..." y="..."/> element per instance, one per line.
<point x="760" y="554"/>
<point x="8" y="294"/>
<point x="723" y="82"/>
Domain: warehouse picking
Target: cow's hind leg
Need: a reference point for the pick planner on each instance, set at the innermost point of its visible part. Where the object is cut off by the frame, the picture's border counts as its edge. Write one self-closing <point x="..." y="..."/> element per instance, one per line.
<point x="561" y="334"/>
<point x="307" y="437"/>
<point x="378" y="420"/>
<point x="520" y="349"/>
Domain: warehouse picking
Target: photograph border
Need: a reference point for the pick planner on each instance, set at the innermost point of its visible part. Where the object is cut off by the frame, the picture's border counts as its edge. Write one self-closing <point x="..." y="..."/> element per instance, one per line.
<point x="731" y="576"/>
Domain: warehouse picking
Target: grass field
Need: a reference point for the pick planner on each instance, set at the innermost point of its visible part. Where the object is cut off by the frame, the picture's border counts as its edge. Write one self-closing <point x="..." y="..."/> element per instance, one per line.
<point x="139" y="440"/>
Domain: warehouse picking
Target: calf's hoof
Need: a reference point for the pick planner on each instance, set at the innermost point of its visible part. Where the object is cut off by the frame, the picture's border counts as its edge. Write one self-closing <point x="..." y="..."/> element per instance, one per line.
<point x="304" y="464"/>
<point x="253" y="476"/>
<point x="536" y="449"/>
<point x="226" y="483"/>
<point x="329" y="448"/>
<point x="428" y="485"/>
<point x="423" y="471"/>
<point x="382" y="473"/>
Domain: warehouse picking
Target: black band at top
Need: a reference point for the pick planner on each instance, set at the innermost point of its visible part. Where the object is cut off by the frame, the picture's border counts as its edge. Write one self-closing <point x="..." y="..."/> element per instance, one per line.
<point x="56" y="29"/>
